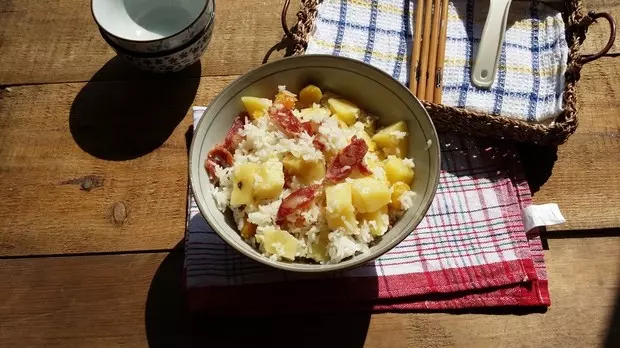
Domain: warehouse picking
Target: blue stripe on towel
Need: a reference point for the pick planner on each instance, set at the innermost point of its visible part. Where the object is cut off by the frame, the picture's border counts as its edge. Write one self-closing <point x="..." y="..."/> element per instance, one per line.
<point x="501" y="81"/>
<point x="469" y="28"/>
<point x="402" y="46"/>
<point x="547" y="46"/>
<point x="372" y="30"/>
<point x="523" y="95"/>
<point x="342" y="20"/>
<point x="534" y="98"/>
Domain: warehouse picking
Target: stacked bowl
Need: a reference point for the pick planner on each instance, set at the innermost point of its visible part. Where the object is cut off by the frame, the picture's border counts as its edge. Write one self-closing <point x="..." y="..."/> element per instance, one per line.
<point x="156" y="35"/>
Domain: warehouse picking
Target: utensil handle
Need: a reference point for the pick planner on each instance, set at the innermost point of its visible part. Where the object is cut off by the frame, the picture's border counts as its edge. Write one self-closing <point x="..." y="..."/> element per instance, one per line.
<point x="485" y="65"/>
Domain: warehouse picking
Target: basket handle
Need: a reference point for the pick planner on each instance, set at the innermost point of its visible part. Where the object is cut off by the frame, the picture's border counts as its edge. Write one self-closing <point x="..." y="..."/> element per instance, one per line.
<point x="305" y="19"/>
<point x="590" y="18"/>
<point x="283" y="20"/>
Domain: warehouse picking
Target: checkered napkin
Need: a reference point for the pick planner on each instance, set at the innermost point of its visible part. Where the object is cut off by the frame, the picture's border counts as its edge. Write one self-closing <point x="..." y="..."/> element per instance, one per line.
<point x="530" y="80"/>
<point x="469" y="251"/>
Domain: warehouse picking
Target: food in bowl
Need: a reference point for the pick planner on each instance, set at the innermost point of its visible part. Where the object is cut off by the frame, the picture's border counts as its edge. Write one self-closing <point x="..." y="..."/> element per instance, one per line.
<point x="309" y="177"/>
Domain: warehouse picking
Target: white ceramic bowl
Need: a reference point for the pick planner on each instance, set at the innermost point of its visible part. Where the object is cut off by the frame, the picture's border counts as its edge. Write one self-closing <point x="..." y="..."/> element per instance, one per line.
<point x="170" y="61"/>
<point x="151" y="26"/>
<point x="366" y="85"/>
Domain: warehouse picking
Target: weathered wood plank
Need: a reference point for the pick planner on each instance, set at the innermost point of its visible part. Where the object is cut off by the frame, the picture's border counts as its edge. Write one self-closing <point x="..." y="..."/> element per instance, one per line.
<point x="583" y="179"/>
<point x="61" y="43"/>
<point x="78" y="172"/>
<point x="133" y="300"/>
<point x="55" y="136"/>
<point x="598" y="98"/>
<point x="584" y="183"/>
<point x="43" y="43"/>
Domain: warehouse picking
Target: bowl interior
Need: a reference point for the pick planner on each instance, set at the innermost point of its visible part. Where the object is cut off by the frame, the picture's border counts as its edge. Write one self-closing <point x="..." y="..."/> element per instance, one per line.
<point x="160" y="54"/>
<point x="146" y="20"/>
<point x="365" y="85"/>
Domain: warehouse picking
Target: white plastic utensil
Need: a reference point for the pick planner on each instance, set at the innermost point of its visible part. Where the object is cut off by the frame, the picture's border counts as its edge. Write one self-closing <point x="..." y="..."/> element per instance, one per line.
<point x="489" y="50"/>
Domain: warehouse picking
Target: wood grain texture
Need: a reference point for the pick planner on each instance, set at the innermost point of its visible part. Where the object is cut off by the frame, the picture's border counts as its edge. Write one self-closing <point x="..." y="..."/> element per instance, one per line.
<point x="132" y="300"/>
<point x="43" y="43"/>
<point x="78" y="170"/>
<point x="60" y="43"/>
<point x="106" y="132"/>
<point x="584" y="178"/>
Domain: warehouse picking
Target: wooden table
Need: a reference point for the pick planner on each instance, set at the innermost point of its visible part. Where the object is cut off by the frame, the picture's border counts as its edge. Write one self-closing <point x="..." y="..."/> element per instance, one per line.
<point x="93" y="181"/>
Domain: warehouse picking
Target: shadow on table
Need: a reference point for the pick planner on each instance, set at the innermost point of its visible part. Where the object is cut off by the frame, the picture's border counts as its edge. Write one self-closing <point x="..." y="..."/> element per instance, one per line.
<point x="612" y="339"/>
<point x="121" y="121"/>
<point x="538" y="162"/>
<point x="284" y="44"/>
<point x="169" y="323"/>
<point x="490" y="159"/>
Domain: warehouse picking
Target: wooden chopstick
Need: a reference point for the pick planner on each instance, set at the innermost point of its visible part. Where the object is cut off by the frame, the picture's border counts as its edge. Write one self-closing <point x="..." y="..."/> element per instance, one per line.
<point x="432" y="55"/>
<point x="441" y="54"/>
<point x="414" y="73"/>
<point x="426" y="37"/>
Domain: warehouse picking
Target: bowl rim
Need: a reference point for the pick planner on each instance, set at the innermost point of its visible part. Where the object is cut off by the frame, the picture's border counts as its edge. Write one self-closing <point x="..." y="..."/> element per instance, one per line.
<point x="324" y="268"/>
<point x="103" y="29"/>
<point x="159" y="54"/>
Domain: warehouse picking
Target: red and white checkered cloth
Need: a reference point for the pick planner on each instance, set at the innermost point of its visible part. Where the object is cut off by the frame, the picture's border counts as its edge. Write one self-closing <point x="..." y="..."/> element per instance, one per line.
<point x="471" y="250"/>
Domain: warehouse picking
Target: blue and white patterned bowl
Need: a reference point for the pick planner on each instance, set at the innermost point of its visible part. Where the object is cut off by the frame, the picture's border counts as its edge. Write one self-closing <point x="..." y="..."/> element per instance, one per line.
<point x="152" y="26"/>
<point x="171" y="61"/>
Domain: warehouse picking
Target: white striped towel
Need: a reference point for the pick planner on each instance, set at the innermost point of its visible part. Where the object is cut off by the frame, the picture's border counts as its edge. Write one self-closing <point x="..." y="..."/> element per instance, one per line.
<point x="528" y="85"/>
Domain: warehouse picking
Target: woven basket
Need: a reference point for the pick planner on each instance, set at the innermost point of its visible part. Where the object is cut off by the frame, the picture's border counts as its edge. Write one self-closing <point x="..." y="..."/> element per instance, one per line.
<point x="461" y="120"/>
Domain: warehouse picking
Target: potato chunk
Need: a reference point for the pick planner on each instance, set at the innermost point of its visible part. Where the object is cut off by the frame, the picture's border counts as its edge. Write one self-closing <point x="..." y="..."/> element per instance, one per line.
<point x="306" y="172"/>
<point x="281" y="243"/>
<point x="378" y="221"/>
<point x="370" y="123"/>
<point x="243" y="184"/>
<point x="293" y="165"/>
<point x="344" y="110"/>
<point x="317" y="115"/>
<point x="309" y="95"/>
<point x="270" y="181"/>
<point x="315" y="171"/>
<point x="256" y="107"/>
<point x="396" y="170"/>
<point x="371" y="144"/>
<point x="338" y="197"/>
<point x="393" y="140"/>
<point x="397" y="190"/>
<point x="318" y="249"/>
<point x="341" y="123"/>
<point x="369" y="194"/>
<point x="340" y="210"/>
